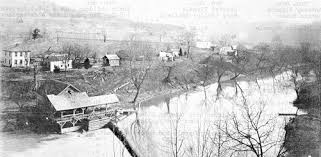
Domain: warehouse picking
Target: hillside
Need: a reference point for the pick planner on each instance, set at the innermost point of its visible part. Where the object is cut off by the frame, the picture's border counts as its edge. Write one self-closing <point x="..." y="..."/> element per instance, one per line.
<point x="19" y="17"/>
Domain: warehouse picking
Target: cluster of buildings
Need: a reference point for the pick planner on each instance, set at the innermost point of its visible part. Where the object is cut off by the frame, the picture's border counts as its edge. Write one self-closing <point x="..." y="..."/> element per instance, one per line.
<point x="171" y="54"/>
<point x="17" y="57"/>
<point x="228" y="50"/>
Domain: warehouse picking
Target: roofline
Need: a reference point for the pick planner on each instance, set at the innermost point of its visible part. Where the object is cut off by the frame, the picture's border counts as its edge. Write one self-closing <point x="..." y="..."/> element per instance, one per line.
<point x="84" y="106"/>
<point x="68" y="85"/>
<point x="18" y="51"/>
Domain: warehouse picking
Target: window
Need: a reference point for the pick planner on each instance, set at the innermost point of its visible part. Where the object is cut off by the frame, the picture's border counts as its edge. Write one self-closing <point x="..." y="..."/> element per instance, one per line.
<point x="16" y="54"/>
<point x="9" y="62"/>
<point x="21" y="62"/>
<point x="26" y="62"/>
<point x="5" y="60"/>
<point x="15" y="61"/>
<point x="21" y="54"/>
<point x="5" y="53"/>
<point x="60" y="65"/>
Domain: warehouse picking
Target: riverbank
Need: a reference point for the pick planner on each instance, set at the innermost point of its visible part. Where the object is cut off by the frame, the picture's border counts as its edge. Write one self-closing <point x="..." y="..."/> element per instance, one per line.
<point x="157" y="121"/>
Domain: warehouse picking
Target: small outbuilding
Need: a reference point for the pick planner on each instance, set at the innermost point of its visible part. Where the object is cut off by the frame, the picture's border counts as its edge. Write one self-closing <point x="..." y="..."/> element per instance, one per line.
<point x="111" y="60"/>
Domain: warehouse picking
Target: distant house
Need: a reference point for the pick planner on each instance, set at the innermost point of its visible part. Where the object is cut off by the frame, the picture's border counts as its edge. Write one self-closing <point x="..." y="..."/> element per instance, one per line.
<point x="228" y="50"/>
<point x="166" y="56"/>
<point x="204" y="44"/>
<point x="16" y="57"/>
<point x="175" y="52"/>
<point x="171" y="54"/>
<point x="111" y="60"/>
<point x="57" y="61"/>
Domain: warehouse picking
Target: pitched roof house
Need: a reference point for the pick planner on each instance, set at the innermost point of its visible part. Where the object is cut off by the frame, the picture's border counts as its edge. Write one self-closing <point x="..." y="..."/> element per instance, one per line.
<point x="111" y="60"/>
<point x="58" y="61"/>
<point x="16" y="56"/>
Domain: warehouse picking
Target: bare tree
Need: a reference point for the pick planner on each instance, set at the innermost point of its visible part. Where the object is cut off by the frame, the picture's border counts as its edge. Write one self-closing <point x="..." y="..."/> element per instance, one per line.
<point x="205" y="73"/>
<point x="187" y="39"/>
<point x="219" y="140"/>
<point x="20" y="94"/>
<point x="75" y="50"/>
<point x="175" y="139"/>
<point x="250" y="132"/>
<point x="227" y="39"/>
<point x="169" y="68"/>
<point x="202" y="145"/>
<point x="140" y="63"/>
<point x="214" y="68"/>
<point x="137" y="77"/>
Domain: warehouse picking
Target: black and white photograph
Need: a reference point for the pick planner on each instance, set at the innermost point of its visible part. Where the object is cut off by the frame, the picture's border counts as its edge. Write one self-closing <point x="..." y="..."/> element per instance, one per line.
<point x="160" y="78"/>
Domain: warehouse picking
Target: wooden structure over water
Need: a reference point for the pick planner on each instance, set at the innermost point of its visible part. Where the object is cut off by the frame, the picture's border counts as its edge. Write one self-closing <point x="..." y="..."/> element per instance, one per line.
<point x="76" y="111"/>
<point x="69" y="109"/>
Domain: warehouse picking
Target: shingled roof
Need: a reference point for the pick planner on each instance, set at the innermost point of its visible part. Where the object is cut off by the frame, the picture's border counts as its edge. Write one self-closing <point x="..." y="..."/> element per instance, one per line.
<point x="112" y="56"/>
<point x="17" y="48"/>
<point x="80" y="100"/>
<point x="56" y="57"/>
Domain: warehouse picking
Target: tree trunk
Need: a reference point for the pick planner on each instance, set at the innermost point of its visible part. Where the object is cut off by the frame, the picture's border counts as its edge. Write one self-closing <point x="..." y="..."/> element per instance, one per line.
<point x="118" y="133"/>
<point x="135" y="98"/>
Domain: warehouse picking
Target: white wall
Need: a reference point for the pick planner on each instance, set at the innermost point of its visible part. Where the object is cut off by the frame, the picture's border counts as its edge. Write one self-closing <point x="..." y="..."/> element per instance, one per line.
<point x="114" y="62"/>
<point x="204" y="44"/>
<point x="25" y="58"/>
<point x="61" y="65"/>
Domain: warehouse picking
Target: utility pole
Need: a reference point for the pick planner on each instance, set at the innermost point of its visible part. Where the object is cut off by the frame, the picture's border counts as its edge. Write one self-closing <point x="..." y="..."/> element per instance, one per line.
<point x="35" y="78"/>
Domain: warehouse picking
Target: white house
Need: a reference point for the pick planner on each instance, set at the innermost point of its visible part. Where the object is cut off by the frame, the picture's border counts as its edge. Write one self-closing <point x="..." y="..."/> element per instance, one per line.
<point x="166" y="56"/>
<point x="111" y="60"/>
<point x="204" y="44"/>
<point x="175" y="52"/>
<point x="59" y="61"/>
<point x="16" y="57"/>
<point x="228" y="50"/>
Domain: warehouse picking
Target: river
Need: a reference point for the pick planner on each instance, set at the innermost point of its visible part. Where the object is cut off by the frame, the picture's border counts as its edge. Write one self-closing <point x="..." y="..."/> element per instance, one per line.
<point x="157" y="120"/>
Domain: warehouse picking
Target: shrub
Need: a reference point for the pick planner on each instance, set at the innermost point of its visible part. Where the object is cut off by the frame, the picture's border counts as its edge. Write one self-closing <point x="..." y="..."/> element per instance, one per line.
<point x="56" y="70"/>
